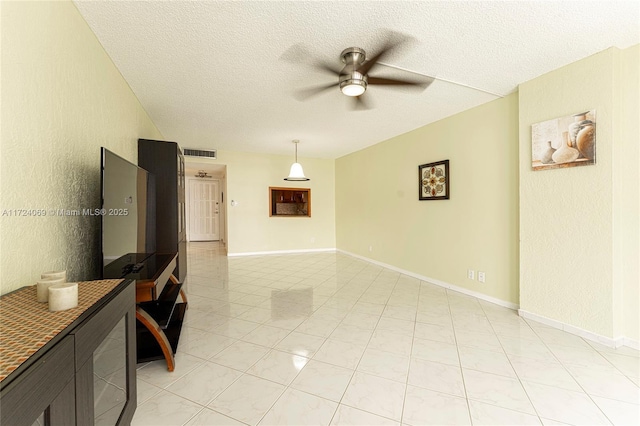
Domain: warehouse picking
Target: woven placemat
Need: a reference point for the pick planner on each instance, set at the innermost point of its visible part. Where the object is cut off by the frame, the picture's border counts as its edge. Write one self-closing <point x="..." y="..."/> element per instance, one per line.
<point x="27" y="325"/>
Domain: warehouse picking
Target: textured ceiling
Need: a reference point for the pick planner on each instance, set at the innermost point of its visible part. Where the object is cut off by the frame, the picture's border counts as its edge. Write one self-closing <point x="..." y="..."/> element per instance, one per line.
<point x="210" y="74"/>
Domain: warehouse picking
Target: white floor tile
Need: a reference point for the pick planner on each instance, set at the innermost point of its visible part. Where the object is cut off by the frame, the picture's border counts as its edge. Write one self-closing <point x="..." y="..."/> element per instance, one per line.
<point x="618" y="412"/>
<point x="500" y="391"/>
<point x="248" y="399"/>
<point x="145" y="390"/>
<point x="426" y="407"/>
<point x="527" y="349"/>
<point x="438" y="332"/>
<point x="349" y="416"/>
<point x="361" y="320"/>
<point x="256" y="314"/>
<point x="583" y="356"/>
<point x="202" y="344"/>
<point x="240" y="355"/>
<point x="385" y="364"/>
<point x="388" y="341"/>
<point x="432" y="350"/>
<point x="606" y="384"/>
<point x="266" y="336"/>
<point x="208" y="417"/>
<point x="544" y="372"/>
<point x="165" y="408"/>
<point x="351" y="334"/>
<point x="396" y="326"/>
<point x="484" y="341"/>
<point x="490" y="415"/>
<point x="157" y="374"/>
<point x="236" y="328"/>
<point x="324" y="380"/>
<point x="204" y="383"/>
<point x="564" y="405"/>
<point x="376" y="395"/>
<point x="436" y="376"/>
<point x="487" y="361"/>
<point x="434" y="316"/>
<point x="338" y="353"/>
<point x="628" y="365"/>
<point x="279" y="367"/>
<point x="299" y="408"/>
<point x="300" y="344"/>
<point x="322" y="327"/>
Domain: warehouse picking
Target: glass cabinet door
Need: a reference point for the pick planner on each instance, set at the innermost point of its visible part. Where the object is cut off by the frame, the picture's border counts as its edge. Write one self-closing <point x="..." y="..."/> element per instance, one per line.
<point x="110" y="376"/>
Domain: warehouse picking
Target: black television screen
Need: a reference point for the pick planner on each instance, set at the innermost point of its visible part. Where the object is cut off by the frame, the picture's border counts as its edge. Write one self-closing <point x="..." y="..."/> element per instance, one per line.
<point x="128" y="208"/>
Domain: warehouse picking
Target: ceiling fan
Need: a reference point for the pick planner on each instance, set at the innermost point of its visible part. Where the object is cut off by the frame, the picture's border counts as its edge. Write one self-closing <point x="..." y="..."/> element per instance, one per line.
<point x="353" y="79"/>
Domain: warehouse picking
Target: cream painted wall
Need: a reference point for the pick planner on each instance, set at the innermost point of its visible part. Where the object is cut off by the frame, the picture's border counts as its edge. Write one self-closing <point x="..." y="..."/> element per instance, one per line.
<point x="572" y="224"/>
<point x="477" y="228"/>
<point x="627" y="195"/>
<point x="62" y="99"/>
<point x="250" y="229"/>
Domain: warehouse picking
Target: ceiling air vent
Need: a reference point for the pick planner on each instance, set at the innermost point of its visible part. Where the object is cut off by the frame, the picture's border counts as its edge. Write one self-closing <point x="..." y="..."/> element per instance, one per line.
<point x="199" y="153"/>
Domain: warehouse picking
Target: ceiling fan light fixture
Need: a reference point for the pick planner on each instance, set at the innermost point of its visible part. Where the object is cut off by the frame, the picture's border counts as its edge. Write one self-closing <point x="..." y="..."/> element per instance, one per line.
<point x="296" y="173"/>
<point x="353" y="87"/>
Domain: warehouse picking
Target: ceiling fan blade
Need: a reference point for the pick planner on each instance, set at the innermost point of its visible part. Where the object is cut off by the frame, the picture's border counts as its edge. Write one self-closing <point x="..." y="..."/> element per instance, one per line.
<point x="418" y="84"/>
<point x="304" y="94"/>
<point x="395" y="41"/>
<point x="327" y="67"/>
<point x="359" y="104"/>
<point x="299" y="54"/>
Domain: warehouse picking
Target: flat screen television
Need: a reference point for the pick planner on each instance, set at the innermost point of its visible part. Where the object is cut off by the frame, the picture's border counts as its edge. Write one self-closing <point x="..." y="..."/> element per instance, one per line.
<point x="128" y="208"/>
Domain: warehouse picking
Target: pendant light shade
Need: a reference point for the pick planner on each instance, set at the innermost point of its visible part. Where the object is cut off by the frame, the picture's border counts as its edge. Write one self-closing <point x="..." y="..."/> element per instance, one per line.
<point x="296" y="173"/>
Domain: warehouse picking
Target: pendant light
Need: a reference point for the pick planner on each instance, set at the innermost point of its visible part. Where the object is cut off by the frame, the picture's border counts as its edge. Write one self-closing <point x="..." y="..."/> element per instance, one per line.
<point x="296" y="173"/>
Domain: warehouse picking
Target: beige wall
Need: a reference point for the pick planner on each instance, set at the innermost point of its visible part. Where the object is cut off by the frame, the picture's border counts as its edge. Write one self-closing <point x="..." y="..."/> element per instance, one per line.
<point x="62" y="98"/>
<point x="574" y="222"/>
<point x="477" y="228"/>
<point x="250" y="229"/>
<point x="627" y="196"/>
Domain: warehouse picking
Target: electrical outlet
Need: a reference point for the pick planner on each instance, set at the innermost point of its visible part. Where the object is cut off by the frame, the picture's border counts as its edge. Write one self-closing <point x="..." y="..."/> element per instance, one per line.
<point x="471" y="274"/>
<point x="313" y="240"/>
<point x="481" y="276"/>
<point x="370" y="248"/>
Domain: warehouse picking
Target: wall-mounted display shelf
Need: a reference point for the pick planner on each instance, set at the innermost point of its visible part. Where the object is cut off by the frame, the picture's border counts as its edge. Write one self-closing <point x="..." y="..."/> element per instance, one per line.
<point x="290" y="202"/>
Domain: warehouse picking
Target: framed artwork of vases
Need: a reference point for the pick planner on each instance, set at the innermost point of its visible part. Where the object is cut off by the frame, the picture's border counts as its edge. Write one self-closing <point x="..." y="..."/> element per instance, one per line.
<point x="564" y="142"/>
<point x="433" y="181"/>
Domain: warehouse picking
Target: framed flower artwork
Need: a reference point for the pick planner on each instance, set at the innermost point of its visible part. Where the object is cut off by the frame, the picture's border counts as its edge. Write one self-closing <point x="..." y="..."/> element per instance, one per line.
<point x="433" y="181"/>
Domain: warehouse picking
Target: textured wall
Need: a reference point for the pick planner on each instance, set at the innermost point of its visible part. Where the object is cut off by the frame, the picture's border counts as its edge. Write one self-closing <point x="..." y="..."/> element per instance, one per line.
<point x="377" y="202"/>
<point x="627" y="195"/>
<point x="250" y="229"/>
<point x="567" y="228"/>
<point x="62" y="98"/>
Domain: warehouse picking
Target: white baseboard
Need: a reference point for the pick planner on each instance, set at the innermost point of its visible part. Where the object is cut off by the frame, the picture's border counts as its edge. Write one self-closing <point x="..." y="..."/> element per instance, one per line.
<point x="267" y="253"/>
<point x="585" y="334"/>
<point x="635" y="344"/>
<point x="440" y="283"/>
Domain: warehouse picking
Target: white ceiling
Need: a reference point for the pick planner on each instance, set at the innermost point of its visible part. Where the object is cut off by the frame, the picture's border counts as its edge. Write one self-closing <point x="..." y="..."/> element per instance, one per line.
<point x="210" y="74"/>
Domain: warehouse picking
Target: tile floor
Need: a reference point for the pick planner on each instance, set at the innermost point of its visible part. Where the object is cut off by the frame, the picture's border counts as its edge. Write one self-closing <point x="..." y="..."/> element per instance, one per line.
<point x="318" y="339"/>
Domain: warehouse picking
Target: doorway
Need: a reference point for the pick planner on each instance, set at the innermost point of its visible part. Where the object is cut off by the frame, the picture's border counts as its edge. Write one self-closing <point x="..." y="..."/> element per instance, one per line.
<point x="204" y="210"/>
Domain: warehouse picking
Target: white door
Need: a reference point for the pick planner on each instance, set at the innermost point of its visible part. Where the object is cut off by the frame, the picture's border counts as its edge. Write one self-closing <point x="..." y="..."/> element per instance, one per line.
<point x="204" y="210"/>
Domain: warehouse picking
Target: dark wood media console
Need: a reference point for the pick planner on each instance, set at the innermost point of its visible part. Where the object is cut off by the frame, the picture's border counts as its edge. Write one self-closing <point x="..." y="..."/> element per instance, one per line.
<point x="159" y="314"/>
<point x="73" y="367"/>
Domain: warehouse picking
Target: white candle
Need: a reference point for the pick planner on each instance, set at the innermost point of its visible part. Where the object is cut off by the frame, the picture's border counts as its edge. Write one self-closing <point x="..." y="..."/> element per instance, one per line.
<point x="63" y="296"/>
<point x="42" y="287"/>
<point x="55" y="274"/>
